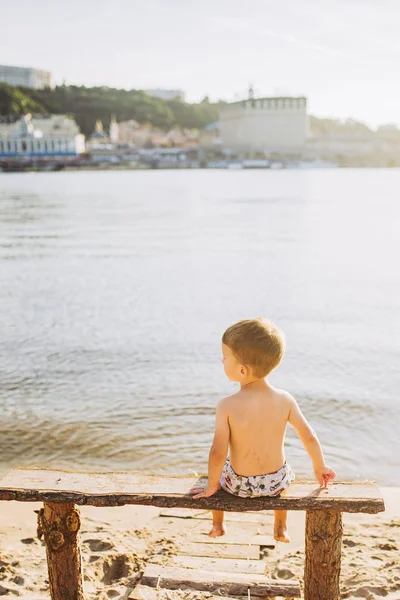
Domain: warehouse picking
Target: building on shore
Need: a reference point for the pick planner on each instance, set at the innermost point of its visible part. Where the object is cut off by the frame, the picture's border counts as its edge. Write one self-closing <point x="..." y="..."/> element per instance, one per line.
<point x="26" y="77"/>
<point x="167" y="94"/>
<point x="210" y="136"/>
<point x="114" y="130"/>
<point x="182" y="138"/>
<point x="378" y="148"/>
<point x="40" y="137"/>
<point x="145" y="136"/>
<point x="99" y="144"/>
<point x="265" y="125"/>
<point x="99" y="138"/>
<point x="127" y="131"/>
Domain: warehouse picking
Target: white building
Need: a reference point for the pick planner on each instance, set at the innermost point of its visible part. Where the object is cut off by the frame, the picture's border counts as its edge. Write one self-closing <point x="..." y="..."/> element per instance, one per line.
<point x="127" y="131"/>
<point x="378" y="145"/>
<point x="167" y="94"/>
<point x="51" y="136"/>
<point x="265" y="124"/>
<point x="26" y="77"/>
<point x="114" y="131"/>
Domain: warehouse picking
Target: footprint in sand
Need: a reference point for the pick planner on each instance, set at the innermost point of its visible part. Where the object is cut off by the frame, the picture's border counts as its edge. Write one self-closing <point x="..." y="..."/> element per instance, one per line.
<point x="387" y="546"/>
<point x="349" y="543"/>
<point x="94" y="557"/>
<point x="4" y="591"/>
<point x="97" y="545"/>
<point x="116" y="567"/>
<point x="284" y="574"/>
<point x="3" y="565"/>
<point x="368" y="591"/>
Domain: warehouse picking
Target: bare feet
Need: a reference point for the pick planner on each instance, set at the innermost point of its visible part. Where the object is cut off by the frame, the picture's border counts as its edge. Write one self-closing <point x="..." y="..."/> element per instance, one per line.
<point x="280" y="526"/>
<point x="217" y="530"/>
<point x="280" y="533"/>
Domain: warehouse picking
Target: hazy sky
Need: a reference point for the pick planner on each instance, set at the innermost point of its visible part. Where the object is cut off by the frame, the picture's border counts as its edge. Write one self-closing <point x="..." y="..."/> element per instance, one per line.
<point x="344" y="55"/>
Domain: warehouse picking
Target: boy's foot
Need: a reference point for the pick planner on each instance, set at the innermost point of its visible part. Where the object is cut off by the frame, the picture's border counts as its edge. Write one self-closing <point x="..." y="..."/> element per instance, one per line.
<point x="217" y="530"/>
<point x="281" y="534"/>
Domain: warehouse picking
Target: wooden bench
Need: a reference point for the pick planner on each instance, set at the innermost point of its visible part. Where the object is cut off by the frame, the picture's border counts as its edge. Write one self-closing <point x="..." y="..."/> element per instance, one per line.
<point x="63" y="491"/>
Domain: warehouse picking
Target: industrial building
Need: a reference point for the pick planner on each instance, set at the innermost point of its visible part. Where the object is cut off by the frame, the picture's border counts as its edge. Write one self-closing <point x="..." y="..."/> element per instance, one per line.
<point x="26" y="77"/>
<point x="265" y="124"/>
<point x="167" y="94"/>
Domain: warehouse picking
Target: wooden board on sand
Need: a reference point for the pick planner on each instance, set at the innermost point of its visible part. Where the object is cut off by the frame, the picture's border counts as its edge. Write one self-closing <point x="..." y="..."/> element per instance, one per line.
<point x="220" y="550"/>
<point x="225" y="583"/>
<point x="235" y="565"/>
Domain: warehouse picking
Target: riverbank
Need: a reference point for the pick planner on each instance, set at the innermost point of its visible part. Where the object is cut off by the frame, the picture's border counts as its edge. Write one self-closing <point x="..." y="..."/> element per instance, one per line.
<point x="117" y="543"/>
<point x="158" y="163"/>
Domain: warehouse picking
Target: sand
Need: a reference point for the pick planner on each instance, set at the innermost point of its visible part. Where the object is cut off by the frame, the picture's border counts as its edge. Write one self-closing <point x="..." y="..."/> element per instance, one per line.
<point x="117" y="543"/>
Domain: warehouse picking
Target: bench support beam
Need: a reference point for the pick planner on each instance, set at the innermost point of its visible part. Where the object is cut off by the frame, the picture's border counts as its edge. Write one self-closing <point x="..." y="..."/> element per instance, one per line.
<point x="59" y="525"/>
<point x="323" y="554"/>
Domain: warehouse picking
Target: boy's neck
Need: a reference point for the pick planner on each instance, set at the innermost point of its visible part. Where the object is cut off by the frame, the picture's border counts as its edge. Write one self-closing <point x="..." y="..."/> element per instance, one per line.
<point x="254" y="383"/>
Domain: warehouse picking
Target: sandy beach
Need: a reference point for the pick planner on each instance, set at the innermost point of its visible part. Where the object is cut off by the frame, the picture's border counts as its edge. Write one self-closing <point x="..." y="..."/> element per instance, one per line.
<point x="118" y="542"/>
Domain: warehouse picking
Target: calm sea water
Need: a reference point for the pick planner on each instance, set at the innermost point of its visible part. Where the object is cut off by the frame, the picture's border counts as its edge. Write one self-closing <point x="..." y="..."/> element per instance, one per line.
<point x="117" y="286"/>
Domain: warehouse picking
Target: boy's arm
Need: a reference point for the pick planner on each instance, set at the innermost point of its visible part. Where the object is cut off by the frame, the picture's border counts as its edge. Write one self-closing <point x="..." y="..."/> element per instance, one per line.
<point x="218" y="452"/>
<point x="309" y="439"/>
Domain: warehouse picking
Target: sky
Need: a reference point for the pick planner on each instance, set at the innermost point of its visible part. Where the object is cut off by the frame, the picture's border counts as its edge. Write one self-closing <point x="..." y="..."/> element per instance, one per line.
<point x="344" y="55"/>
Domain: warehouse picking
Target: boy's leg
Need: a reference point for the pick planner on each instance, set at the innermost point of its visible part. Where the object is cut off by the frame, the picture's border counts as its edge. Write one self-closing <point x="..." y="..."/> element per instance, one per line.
<point x="280" y="526"/>
<point x="218" y="527"/>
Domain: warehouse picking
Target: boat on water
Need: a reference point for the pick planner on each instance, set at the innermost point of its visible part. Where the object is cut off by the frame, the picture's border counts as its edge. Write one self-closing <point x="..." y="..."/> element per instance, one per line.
<point x="254" y="163"/>
<point x="312" y="164"/>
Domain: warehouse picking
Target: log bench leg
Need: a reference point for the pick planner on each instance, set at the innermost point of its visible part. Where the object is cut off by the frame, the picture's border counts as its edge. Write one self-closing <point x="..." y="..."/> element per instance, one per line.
<point x="323" y="554"/>
<point x="59" y="525"/>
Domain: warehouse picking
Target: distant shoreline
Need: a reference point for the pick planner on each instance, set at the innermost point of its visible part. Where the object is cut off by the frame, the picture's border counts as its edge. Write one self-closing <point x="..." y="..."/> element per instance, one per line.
<point x="129" y="168"/>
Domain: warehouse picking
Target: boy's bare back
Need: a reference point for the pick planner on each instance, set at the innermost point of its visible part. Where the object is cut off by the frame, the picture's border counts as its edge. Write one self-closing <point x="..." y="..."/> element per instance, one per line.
<point x="257" y="421"/>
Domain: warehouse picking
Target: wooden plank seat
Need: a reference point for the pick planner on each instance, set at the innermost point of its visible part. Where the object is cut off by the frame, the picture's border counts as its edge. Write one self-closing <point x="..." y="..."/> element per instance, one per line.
<point x="62" y="491"/>
<point x="117" y="489"/>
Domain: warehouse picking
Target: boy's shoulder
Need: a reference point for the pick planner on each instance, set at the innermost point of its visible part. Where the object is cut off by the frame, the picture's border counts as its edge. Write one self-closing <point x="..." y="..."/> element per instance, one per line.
<point x="229" y="401"/>
<point x="283" y="395"/>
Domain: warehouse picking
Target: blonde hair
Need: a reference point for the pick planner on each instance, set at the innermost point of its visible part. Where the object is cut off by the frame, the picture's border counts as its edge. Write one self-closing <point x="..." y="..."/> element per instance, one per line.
<point x="257" y="343"/>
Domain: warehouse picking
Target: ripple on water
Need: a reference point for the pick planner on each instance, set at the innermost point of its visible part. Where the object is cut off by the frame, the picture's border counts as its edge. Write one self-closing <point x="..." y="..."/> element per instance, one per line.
<point x="116" y="287"/>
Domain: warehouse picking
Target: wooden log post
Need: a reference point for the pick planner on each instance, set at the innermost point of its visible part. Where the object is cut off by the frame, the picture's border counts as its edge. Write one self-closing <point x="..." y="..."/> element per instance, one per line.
<point x="323" y="554"/>
<point x="59" y="525"/>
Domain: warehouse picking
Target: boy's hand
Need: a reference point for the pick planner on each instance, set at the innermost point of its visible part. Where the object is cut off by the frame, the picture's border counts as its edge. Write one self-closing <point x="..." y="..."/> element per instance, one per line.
<point x="324" y="475"/>
<point x="204" y="492"/>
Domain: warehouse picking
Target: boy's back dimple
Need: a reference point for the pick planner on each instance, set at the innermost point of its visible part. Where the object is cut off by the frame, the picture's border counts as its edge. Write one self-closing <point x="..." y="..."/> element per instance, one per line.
<point x="257" y="422"/>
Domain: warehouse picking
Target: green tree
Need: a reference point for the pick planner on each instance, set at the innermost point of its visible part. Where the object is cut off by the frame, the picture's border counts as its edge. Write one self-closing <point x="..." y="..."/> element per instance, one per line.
<point x="13" y="101"/>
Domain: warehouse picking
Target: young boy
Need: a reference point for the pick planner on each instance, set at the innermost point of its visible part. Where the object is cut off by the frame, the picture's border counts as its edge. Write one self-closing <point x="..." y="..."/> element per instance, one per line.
<point x="252" y="424"/>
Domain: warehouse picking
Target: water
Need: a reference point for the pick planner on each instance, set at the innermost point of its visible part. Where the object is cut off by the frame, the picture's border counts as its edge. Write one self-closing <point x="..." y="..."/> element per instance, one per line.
<point x="117" y="286"/>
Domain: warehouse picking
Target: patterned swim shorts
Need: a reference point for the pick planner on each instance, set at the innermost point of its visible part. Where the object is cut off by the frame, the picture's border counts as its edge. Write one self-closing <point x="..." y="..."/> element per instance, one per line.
<point x="271" y="484"/>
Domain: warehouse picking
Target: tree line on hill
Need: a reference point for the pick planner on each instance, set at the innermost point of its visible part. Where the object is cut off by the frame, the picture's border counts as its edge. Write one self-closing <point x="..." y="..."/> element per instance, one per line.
<point x="87" y="105"/>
